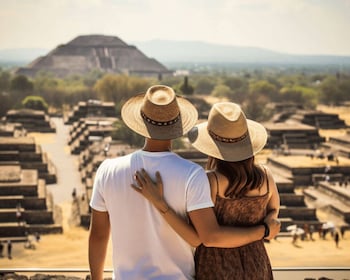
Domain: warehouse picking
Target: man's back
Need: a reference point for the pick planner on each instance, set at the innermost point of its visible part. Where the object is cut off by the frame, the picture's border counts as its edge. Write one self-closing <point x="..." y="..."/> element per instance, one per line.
<point x="144" y="245"/>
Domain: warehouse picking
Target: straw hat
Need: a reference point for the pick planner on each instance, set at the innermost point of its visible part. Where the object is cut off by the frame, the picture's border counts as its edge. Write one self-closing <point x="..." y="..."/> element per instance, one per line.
<point x="227" y="134"/>
<point x="159" y="114"/>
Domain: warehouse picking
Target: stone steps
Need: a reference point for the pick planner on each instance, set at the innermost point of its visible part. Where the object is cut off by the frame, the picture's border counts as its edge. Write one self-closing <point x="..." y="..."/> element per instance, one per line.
<point x="298" y="213"/>
<point x="30" y="203"/>
<point x="326" y="201"/>
<point x="13" y="230"/>
<point x="291" y="199"/>
<point x="8" y="215"/>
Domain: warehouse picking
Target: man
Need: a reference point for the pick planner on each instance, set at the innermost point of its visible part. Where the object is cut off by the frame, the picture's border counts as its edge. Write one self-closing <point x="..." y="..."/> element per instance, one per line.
<point x="144" y="245"/>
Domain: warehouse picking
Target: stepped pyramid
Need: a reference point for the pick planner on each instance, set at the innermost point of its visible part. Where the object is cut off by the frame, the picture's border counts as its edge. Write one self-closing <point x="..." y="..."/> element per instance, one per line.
<point x="95" y="52"/>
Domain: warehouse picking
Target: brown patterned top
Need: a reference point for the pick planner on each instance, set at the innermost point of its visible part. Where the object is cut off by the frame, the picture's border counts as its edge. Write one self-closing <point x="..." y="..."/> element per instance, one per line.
<point x="247" y="262"/>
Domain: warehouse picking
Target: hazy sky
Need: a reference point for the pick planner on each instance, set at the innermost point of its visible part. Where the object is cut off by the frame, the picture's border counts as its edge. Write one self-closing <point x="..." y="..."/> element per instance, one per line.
<point x="291" y="26"/>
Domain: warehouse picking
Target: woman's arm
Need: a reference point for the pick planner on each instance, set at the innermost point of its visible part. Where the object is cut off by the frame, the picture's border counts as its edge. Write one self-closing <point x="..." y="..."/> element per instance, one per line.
<point x="154" y="193"/>
<point x="207" y="230"/>
<point x="274" y="203"/>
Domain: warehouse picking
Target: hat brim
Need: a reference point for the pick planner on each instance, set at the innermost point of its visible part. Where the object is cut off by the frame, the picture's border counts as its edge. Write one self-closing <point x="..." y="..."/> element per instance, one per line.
<point x="131" y="115"/>
<point x="241" y="150"/>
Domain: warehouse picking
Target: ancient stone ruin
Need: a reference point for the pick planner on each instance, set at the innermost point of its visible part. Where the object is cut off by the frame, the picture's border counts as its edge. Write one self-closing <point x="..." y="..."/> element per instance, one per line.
<point x="24" y="152"/>
<point x="292" y="135"/>
<point x="25" y="206"/>
<point x="91" y="108"/>
<point x="31" y="120"/>
<point x="87" y="130"/>
<point x="87" y="53"/>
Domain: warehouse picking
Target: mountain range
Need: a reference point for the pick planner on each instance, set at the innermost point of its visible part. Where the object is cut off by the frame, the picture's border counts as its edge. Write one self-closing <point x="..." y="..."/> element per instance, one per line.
<point x="167" y="51"/>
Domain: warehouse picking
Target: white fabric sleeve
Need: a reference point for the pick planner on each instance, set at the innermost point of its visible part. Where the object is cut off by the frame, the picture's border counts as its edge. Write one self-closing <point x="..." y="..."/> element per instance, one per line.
<point x="198" y="191"/>
<point x="97" y="201"/>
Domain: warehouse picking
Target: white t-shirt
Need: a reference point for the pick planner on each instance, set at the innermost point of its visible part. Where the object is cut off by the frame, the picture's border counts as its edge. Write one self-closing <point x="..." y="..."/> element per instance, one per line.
<point x="144" y="245"/>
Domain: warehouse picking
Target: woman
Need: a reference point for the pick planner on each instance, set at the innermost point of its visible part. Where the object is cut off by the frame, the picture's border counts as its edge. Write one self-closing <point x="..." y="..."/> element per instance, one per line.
<point x="244" y="193"/>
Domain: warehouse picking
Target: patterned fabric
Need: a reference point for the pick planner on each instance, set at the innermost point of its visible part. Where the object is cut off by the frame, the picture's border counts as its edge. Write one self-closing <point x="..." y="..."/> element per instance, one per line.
<point x="243" y="263"/>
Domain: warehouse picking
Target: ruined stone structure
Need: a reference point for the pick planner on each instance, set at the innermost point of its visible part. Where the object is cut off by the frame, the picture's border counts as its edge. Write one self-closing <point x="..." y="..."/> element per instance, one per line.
<point x="333" y="196"/>
<point x="95" y="52"/>
<point x="320" y="178"/>
<point x="339" y="144"/>
<point x="87" y="130"/>
<point x="91" y="108"/>
<point x="12" y="130"/>
<point x="292" y="135"/>
<point x="24" y="152"/>
<point x="31" y="120"/>
<point x="22" y="190"/>
<point x="318" y="119"/>
<point x="332" y="190"/>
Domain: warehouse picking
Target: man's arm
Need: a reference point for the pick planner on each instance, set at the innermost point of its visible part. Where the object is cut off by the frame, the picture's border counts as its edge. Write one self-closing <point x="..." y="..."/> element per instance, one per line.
<point x="98" y="241"/>
<point x="213" y="235"/>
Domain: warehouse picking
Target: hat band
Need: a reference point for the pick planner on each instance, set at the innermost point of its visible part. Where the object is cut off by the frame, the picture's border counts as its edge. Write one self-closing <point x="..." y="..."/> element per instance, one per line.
<point x="227" y="140"/>
<point x="158" y="123"/>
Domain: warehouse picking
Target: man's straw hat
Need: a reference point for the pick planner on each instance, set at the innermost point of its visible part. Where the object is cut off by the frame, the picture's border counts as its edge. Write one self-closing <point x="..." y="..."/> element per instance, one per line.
<point x="227" y="134"/>
<point x="159" y="114"/>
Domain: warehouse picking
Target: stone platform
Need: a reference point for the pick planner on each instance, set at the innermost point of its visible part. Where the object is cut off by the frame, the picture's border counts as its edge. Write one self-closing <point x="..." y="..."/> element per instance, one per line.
<point x="293" y="135"/>
<point x="86" y="131"/>
<point x="21" y="190"/>
<point x="23" y="151"/>
<point x="31" y="120"/>
<point x="91" y="108"/>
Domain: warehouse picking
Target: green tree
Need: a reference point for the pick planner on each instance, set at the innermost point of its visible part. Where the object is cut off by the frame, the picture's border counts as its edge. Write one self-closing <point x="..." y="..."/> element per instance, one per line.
<point x="306" y="96"/>
<point x="6" y="103"/>
<point x="118" y="88"/>
<point x="330" y="93"/>
<point x="20" y="87"/>
<point x="186" y="88"/>
<point x="21" y="83"/>
<point x="125" y="134"/>
<point x="223" y="91"/>
<point x="255" y="107"/>
<point x="205" y="85"/>
<point x="234" y="82"/>
<point x="291" y="94"/>
<point x="35" y="103"/>
<point x="238" y="86"/>
<point x="344" y="88"/>
<point x="5" y="78"/>
<point x="263" y="87"/>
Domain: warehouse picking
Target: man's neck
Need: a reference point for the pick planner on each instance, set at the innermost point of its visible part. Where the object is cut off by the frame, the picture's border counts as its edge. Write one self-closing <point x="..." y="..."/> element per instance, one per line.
<point x="152" y="145"/>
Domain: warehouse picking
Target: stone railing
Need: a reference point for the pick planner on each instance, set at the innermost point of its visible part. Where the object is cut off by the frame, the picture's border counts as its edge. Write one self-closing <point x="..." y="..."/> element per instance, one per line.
<point x="280" y="273"/>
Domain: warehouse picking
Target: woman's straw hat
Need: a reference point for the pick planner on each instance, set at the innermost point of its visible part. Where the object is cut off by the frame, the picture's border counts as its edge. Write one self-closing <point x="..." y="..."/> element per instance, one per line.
<point x="159" y="114"/>
<point x="227" y="134"/>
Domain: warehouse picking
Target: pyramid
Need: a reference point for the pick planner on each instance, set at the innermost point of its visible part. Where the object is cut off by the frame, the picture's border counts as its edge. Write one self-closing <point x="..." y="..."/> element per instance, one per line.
<point x="95" y="52"/>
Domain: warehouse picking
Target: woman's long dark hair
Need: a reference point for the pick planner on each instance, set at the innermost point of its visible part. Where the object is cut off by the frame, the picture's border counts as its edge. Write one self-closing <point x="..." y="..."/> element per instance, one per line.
<point x="243" y="176"/>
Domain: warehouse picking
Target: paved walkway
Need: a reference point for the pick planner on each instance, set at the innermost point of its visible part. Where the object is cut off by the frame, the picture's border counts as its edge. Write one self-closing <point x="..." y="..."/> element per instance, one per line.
<point x="57" y="149"/>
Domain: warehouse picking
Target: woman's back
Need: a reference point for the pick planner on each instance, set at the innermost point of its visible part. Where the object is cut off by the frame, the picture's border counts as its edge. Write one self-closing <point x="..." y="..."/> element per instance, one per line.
<point x="246" y="262"/>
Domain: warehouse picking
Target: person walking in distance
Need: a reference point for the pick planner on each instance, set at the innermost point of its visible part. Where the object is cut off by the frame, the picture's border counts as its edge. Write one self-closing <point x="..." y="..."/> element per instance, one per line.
<point x="9" y="249"/>
<point x="244" y="193"/>
<point x="144" y="245"/>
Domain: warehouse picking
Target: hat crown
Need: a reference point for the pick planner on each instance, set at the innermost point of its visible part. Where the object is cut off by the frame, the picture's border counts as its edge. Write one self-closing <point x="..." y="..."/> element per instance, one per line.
<point x="160" y="104"/>
<point x="227" y="120"/>
<point x="159" y="114"/>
